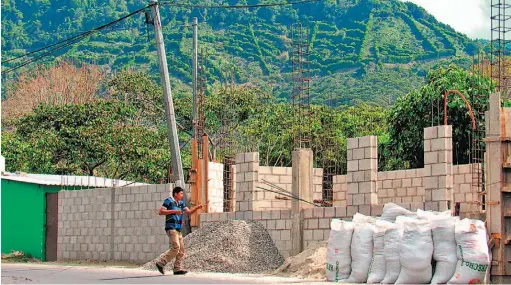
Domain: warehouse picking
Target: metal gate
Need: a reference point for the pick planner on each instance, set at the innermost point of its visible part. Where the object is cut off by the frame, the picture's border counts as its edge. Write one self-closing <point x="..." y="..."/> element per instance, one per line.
<point x="51" y="226"/>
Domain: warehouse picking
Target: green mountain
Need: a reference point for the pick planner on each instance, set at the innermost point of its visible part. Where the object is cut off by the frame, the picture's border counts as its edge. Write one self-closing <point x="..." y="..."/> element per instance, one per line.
<point x="361" y="50"/>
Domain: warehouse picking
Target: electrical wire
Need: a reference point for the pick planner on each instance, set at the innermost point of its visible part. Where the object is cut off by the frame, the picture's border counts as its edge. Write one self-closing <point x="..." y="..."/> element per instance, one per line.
<point x="65" y="43"/>
<point x="169" y="3"/>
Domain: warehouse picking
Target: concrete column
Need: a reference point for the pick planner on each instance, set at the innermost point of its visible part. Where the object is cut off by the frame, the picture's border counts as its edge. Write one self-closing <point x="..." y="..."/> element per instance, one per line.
<point x="494" y="177"/>
<point x="438" y="169"/>
<point x="302" y="179"/>
<point x="362" y="172"/>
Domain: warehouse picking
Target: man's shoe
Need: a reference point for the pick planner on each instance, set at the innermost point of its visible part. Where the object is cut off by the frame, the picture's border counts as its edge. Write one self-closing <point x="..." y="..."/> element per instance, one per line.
<point x="160" y="268"/>
<point x="180" y="272"/>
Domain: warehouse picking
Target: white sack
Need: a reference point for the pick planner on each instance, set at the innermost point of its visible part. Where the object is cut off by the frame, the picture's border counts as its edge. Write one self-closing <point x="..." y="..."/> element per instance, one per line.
<point x="391" y="211"/>
<point x="392" y="241"/>
<point x="338" y="252"/>
<point x="472" y="252"/>
<point x="361" y="248"/>
<point x="444" y="244"/>
<point x="416" y="252"/>
<point x="377" y="270"/>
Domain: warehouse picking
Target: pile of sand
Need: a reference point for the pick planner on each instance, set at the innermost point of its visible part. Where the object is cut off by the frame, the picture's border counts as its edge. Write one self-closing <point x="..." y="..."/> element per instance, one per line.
<point x="308" y="264"/>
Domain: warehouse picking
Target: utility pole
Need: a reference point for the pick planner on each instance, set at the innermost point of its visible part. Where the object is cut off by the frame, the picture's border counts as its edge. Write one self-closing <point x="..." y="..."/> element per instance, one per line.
<point x="194" y="77"/>
<point x="177" y="166"/>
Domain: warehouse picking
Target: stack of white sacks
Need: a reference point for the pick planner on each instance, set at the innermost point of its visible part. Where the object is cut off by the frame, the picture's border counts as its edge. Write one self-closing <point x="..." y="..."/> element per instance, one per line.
<point x="403" y="247"/>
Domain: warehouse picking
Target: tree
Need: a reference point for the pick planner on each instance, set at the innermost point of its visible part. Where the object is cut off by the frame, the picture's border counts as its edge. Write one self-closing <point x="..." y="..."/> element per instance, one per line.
<point x="423" y="108"/>
<point x="61" y="84"/>
<point x="98" y="139"/>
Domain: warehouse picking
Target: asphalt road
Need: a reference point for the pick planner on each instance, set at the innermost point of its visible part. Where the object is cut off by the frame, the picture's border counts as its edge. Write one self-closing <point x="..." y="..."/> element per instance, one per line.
<point x="30" y="273"/>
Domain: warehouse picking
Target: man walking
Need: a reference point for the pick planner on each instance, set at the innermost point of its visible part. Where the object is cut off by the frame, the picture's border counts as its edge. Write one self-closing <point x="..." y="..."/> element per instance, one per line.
<point x="173" y="208"/>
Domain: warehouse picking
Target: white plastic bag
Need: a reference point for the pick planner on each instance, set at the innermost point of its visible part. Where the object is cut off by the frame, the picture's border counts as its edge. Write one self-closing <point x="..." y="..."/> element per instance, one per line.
<point x="391" y="250"/>
<point x="361" y="248"/>
<point x="416" y="252"/>
<point x="377" y="270"/>
<point x="444" y="244"/>
<point x="338" y="252"/>
<point x="391" y="211"/>
<point x="472" y="253"/>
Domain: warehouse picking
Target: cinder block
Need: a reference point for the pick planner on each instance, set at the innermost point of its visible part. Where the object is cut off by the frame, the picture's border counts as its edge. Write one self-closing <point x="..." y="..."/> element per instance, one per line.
<point x="391" y="175"/>
<point x="307" y="213"/>
<point x="418" y="199"/>
<point x="411" y="192"/>
<point x="397" y="183"/>
<point x="443" y="206"/>
<point x="371" y="199"/>
<point x="352" y="143"/>
<point x="252" y="157"/>
<point x="440" y="169"/>
<point x="349" y="154"/>
<point x="387" y="184"/>
<point x="430" y="133"/>
<point x="358" y="153"/>
<point x="431" y="182"/>
<point x="376" y="210"/>
<point x="431" y="206"/>
<point x="368" y="141"/>
<point x="353" y="188"/>
<point x="324" y="223"/>
<point x="318" y="212"/>
<point x="367" y="164"/>
<point x="240" y="158"/>
<point x="358" y="176"/>
<point x="365" y="210"/>
<point x="281" y="225"/>
<point x="247" y="216"/>
<point x="275" y="215"/>
<point x="329" y="212"/>
<point x="278" y="170"/>
<point x="352" y="165"/>
<point x="286" y="179"/>
<point x="307" y="235"/>
<point x="416" y="205"/>
<point x="445" y="156"/>
<point x="358" y="199"/>
<point x="371" y="152"/>
<point x="382" y="193"/>
<point x="391" y="193"/>
<point x="407" y="200"/>
<point x="285" y="214"/>
<point x="285" y="235"/>
<point x="440" y="144"/>
<point x="313" y="223"/>
<point x="400" y="174"/>
<point x="417" y="182"/>
<point x="366" y="187"/>
<point x="351" y="211"/>
<point x="318" y="235"/>
<point x="271" y="224"/>
<point x="445" y="131"/>
<point x="466" y="188"/>
<point x="440" y="195"/>
<point x="407" y="182"/>
<point x="371" y="175"/>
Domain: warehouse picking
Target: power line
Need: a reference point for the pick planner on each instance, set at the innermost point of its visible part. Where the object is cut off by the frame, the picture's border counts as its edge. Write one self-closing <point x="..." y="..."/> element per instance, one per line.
<point x="66" y="43"/>
<point x="236" y="6"/>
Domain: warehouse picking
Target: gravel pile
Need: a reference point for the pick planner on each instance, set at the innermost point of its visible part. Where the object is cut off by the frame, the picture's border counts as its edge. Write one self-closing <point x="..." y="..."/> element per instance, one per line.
<point x="230" y="247"/>
<point x="308" y="264"/>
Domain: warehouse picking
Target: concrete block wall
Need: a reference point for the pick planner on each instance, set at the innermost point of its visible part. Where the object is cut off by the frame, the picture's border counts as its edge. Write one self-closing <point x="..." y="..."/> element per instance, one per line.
<point x="129" y="229"/>
<point x="340" y="187"/>
<point x="247" y="177"/>
<point x="362" y="174"/>
<point x="438" y="169"/>
<point x="401" y="186"/>
<point x="216" y="187"/>
<point x="465" y="187"/>
<point x="281" y="177"/>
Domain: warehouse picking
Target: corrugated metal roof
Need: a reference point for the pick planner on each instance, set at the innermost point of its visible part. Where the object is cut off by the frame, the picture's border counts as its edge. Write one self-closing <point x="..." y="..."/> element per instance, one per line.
<point x="69" y="180"/>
